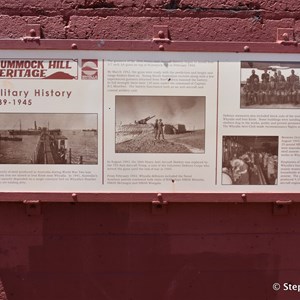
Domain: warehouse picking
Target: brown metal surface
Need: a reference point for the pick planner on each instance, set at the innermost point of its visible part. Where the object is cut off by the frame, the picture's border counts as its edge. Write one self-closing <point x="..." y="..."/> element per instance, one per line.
<point x="123" y="251"/>
<point x="148" y="45"/>
<point x="148" y="197"/>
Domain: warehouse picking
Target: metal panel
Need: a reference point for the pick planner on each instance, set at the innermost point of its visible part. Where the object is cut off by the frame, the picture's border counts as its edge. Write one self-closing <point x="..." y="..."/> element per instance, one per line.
<point x="148" y="197"/>
<point x="150" y="45"/>
<point x="211" y="251"/>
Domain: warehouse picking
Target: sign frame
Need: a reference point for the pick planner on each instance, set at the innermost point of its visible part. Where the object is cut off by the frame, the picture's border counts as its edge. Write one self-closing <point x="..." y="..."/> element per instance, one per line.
<point x="150" y="45"/>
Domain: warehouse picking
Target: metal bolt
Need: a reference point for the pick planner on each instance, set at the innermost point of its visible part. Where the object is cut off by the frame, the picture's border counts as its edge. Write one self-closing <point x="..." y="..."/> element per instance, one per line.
<point x="161" y="34"/>
<point x="285" y="36"/>
<point x="74" y="196"/>
<point x="32" y="32"/>
<point x="246" y="48"/>
<point x="74" y="46"/>
<point x="244" y="197"/>
<point x="159" y="197"/>
<point x="161" y="47"/>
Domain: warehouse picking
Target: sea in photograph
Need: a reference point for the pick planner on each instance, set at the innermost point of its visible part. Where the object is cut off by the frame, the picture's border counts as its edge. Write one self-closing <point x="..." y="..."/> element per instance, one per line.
<point x="82" y="144"/>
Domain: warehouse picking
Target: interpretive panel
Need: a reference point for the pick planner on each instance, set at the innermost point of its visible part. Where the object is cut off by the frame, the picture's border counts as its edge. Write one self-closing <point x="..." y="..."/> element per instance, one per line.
<point x="164" y="113"/>
<point x="49" y="121"/>
<point x="109" y="121"/>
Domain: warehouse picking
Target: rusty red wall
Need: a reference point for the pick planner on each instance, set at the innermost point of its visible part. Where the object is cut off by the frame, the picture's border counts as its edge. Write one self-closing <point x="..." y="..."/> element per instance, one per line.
<point x="122" y="250"/>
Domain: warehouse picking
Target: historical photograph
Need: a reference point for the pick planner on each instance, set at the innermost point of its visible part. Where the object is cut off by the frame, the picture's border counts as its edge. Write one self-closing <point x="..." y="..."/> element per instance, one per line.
<point x="250" y="160"/>
<point x="31" y="138"/>
<point x="273" y="85"/>
<point x="160" y="124"/>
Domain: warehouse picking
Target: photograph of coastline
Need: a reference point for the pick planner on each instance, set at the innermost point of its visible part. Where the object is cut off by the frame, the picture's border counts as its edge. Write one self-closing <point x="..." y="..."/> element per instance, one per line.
<point x="266" y="84"/>
<point x="32" y="138"/>
<point x="160" y="124"/>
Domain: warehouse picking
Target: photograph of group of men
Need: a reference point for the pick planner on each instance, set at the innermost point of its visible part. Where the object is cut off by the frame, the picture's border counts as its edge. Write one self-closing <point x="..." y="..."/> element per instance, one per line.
<point x="270" y="84"/>
<point x="250" y="160"/>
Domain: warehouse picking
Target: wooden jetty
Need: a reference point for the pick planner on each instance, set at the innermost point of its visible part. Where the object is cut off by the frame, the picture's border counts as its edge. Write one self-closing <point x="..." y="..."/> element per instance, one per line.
<point x="51" y="148"/>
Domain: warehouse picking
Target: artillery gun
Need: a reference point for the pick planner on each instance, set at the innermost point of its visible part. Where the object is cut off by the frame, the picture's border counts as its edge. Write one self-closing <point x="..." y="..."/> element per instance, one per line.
<point x="143" y="121"/>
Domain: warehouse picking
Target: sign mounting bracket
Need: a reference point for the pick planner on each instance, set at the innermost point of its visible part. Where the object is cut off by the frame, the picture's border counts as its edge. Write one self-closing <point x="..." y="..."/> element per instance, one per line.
<point x="32" y="33"/>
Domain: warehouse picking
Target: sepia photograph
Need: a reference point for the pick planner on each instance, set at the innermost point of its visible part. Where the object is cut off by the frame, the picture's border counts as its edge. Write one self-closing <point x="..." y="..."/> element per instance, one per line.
<point x="268" y="85"/>
<point x="249" y="160"/>
<point x="160" y="124"/>
<point x="32" y="138"/>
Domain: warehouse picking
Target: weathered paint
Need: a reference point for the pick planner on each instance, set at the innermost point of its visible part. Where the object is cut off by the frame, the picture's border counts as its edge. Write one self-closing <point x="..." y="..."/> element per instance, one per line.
<point x="123" y="251"/>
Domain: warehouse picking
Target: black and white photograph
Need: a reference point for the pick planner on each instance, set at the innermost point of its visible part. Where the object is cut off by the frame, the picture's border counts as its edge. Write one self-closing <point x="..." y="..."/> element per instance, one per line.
<point x="32" y="138"/>
<point x="270" y="85"/>
<point x="249" y="160"/>
<point x="160" y="124"/>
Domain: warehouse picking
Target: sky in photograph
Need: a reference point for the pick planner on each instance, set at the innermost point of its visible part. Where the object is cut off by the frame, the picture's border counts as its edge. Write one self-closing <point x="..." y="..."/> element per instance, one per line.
<point x="186" y="110"/>
<point x="61" y="121"/>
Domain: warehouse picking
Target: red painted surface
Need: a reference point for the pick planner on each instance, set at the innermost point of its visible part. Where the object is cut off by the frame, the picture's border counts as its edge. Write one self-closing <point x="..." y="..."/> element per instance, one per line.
<point x="280" y="6"/>
<point x="128" y="250"/>
<point x="193" y="29"/>
<point x="123" y="251"/>
<point x="13" y="26"/>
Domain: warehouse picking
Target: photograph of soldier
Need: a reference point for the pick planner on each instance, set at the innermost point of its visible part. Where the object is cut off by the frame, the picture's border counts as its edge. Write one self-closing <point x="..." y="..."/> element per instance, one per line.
<point x="160" y="124"/>
<point x="155" y="126"/>
<point x="270" y="85"/>
<point x="249" y="160"/>
<point x="160" y="130"/>
<point x="265" y="75"/>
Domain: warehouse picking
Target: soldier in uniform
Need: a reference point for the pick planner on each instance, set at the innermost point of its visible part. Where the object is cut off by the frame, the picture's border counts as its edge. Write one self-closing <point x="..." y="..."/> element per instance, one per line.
<point x="275" y="76"/>
<point x="281" y="89"/>
<point x="265" y="76"/>
<point x="256" y="91"/>
<point x="253" y="77"/>
<point x="293" y="77"/>
<point x="296" y="88"/>
<point x="156" y="129"/>
<point x="247" y="89"/>
<point x="293" y="87"/>
<point x="271" y="90"/>
<point x="264" y="91"/>
<point x="161" y="129"/>
<point x="280" y="76"/>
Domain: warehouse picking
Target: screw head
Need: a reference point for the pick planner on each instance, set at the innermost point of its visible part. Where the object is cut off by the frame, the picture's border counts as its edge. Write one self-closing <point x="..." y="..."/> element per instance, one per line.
<point x="161" y="34"/>
<point x="32" y="32"/>
<point x="246" y="48"/>
<point x="285" y="36"/>
<point x="161" y="47"/>
<point x="74" y="197"/>
<point x="74" y="46"/>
